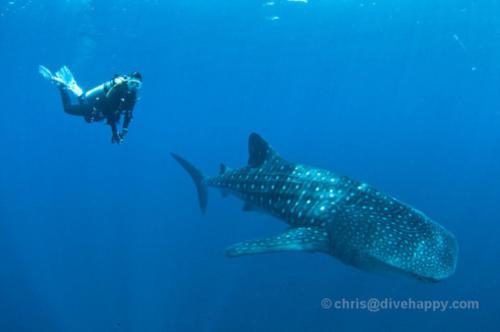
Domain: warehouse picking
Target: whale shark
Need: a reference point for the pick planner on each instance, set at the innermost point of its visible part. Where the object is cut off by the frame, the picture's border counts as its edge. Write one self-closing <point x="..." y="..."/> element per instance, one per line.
<point x="331" y="214"/>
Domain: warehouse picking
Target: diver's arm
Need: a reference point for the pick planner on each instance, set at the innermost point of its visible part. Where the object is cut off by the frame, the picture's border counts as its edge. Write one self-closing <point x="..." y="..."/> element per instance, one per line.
<point x="116" y="138"/>
<point x="126" y="122"/>
<point x="127" y="117"/>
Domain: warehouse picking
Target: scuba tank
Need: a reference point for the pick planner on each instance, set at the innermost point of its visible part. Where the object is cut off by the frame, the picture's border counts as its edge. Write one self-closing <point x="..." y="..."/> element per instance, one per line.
<point x="99" y="92"/>
<point x="105" y="89"/>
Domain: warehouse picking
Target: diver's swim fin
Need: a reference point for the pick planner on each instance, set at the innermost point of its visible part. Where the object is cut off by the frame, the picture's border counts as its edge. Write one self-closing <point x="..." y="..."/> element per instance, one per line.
<point x="45" y="72"/>
<point x="63" y="77"/>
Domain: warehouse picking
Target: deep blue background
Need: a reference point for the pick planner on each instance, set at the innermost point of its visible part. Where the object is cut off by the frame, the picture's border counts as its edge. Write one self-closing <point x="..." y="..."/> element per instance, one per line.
<point x="98" y="237"/>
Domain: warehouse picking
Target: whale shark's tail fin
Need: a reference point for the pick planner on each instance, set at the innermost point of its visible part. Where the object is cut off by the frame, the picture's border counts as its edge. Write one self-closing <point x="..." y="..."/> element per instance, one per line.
<point x="198" y="179"/>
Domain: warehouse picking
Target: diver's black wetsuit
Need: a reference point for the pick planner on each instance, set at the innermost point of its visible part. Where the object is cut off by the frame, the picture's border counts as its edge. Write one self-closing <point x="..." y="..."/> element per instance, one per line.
<point x="110" y="103"/>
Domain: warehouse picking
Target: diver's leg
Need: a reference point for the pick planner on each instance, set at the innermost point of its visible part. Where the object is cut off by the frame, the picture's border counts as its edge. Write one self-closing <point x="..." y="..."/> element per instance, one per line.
<point x="70" y="108"/>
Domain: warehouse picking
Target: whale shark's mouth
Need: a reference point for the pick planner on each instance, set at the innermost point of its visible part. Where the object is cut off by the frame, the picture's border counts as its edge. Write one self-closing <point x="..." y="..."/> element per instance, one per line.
<point x="373" y="264"/>
<point x="426" y="279"/>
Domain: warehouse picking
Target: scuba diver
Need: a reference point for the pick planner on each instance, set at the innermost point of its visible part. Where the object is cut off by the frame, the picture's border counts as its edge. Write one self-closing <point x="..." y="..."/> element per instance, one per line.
<point x="109" y="100"/>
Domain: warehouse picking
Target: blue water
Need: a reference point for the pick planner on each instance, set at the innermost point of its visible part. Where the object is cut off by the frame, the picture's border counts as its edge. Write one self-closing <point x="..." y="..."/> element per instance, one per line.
<point x="97" y="237"/>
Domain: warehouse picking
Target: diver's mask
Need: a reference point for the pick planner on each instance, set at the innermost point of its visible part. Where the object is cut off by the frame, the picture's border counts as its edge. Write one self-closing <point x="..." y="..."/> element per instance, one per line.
<point x="133" y="84"/>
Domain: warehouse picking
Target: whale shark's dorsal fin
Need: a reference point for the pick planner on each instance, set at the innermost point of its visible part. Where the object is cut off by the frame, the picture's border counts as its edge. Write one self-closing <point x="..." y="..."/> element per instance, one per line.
<point x="259" y="150"/>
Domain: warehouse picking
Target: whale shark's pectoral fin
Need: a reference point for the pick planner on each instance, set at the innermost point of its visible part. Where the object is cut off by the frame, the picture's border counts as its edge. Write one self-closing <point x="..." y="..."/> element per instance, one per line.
<point x="295" y="239"/>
